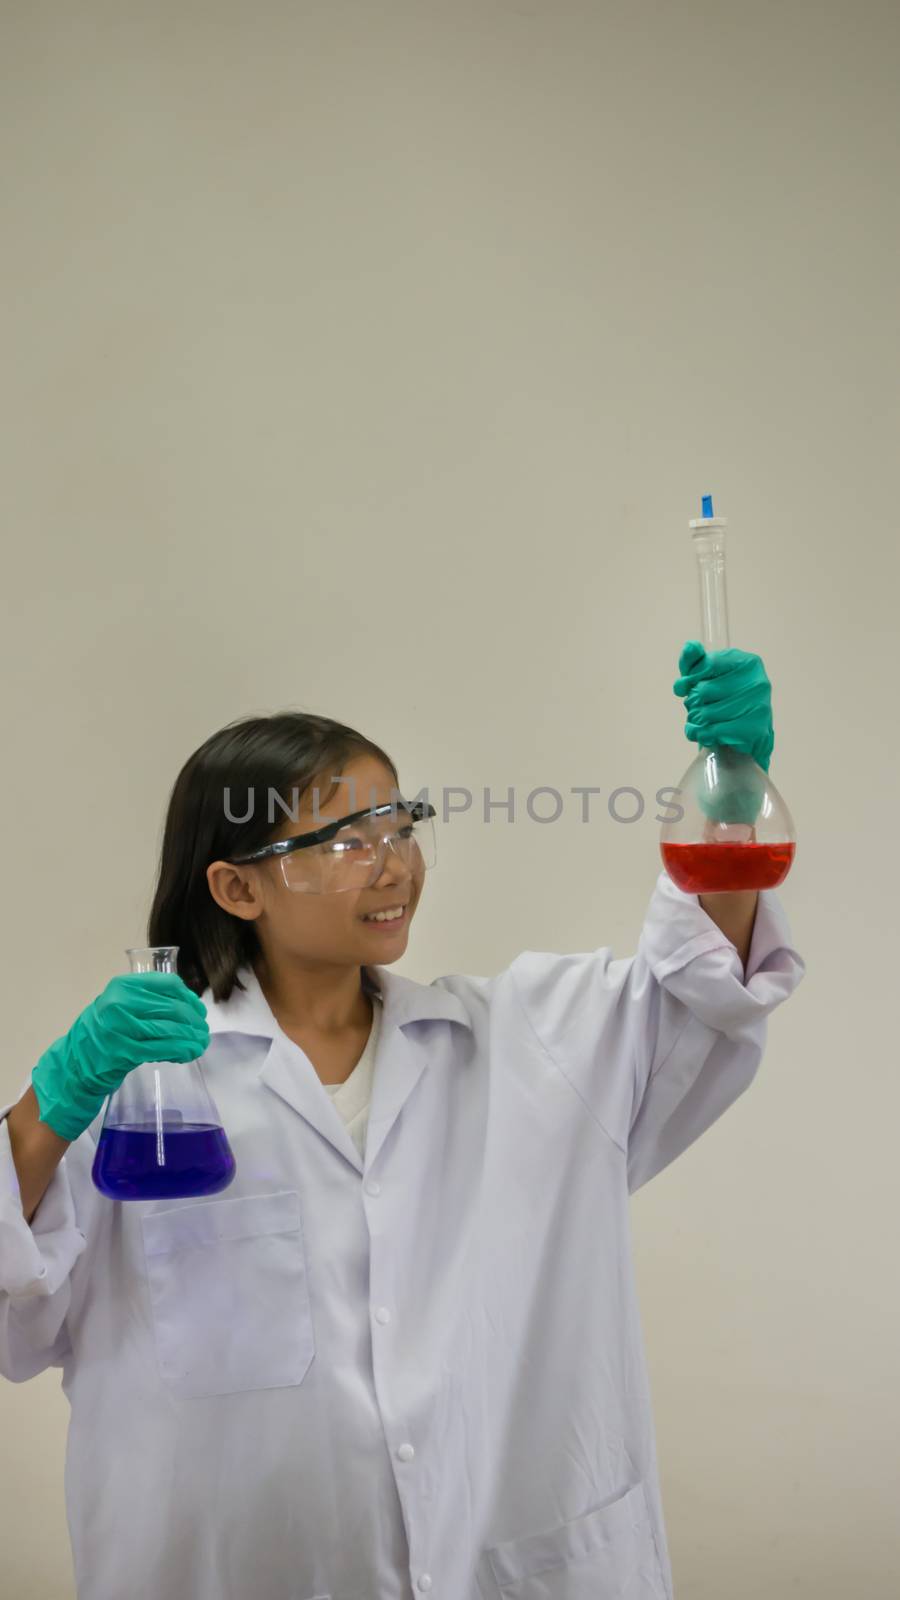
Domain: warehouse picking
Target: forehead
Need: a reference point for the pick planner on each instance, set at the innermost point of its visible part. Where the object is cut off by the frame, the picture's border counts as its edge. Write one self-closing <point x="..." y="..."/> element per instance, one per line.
<point x="363" y="781"/>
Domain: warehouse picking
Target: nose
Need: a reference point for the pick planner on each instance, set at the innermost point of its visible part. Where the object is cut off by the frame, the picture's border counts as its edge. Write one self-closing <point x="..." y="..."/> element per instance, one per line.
<point x="393" y="868"/>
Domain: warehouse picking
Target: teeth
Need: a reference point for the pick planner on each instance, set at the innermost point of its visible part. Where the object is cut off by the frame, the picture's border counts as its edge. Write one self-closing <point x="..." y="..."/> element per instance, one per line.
<point x="385" y="916"/>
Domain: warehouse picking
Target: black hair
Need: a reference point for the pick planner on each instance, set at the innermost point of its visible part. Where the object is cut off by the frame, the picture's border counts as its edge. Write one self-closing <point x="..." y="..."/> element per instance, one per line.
<point x="283" y="753"/>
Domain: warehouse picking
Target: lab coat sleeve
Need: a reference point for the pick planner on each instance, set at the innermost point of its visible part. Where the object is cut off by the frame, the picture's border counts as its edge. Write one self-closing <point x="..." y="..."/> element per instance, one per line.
<point x="36" y="1262"/>
<point x="659" y="1044"/>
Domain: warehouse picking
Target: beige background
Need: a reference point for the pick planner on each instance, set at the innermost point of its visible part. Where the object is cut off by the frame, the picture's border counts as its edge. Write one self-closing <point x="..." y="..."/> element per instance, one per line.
<point x="370" y="358"/>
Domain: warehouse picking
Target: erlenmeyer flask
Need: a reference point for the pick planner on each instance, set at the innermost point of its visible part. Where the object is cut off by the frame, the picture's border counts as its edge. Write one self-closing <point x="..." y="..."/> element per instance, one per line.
<point x="161" y="1137"/>
<point x="735" y="831"/>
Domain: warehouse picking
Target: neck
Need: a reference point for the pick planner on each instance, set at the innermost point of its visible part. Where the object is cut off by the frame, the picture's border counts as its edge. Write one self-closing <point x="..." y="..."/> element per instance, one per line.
<point x="325" y="1000"/>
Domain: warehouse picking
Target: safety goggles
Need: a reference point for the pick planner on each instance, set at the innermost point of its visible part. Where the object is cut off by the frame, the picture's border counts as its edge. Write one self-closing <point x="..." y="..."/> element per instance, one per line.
<point x="350" y="852"/>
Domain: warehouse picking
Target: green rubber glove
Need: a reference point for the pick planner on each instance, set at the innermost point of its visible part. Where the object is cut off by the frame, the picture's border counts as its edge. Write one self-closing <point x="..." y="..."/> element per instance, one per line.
<point x="729" y="704"/>
<point x="140" y="1016"/>
<point x="728" y="698"/>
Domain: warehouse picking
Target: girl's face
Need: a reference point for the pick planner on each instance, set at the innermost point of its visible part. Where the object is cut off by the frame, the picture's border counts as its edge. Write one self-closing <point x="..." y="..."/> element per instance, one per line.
<point x="328" y="930"/>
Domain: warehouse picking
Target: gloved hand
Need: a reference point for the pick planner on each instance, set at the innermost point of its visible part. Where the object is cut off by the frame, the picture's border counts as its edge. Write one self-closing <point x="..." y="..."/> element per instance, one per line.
<point x="728" y="698"/>
<point x="140" y="1016"/>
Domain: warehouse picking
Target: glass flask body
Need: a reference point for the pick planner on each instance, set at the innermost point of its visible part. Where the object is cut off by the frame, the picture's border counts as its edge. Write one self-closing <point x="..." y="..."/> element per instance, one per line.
<point x="162" y="1137"/>
<point x="734" y="830"/>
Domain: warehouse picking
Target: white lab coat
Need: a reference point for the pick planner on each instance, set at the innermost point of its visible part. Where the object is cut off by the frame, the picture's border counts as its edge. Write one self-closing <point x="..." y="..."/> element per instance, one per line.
<point x="417" y="1373"/>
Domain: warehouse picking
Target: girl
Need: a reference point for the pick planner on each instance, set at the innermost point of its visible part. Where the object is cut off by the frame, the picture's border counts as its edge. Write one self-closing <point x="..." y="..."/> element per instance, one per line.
<point x="400" y="1354"/>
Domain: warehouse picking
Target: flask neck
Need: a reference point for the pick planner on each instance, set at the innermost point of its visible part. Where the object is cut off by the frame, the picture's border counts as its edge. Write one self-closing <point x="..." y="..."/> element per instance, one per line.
<point x="709" y="548"/>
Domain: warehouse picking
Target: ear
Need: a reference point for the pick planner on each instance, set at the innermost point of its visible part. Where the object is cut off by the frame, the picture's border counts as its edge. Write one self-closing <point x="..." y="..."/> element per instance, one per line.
<point x="237" y="890"/>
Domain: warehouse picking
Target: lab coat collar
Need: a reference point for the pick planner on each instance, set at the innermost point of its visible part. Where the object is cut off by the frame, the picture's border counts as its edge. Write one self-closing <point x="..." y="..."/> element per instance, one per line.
<point x="403" y="1001"/>
<point x="289" y="1073"/>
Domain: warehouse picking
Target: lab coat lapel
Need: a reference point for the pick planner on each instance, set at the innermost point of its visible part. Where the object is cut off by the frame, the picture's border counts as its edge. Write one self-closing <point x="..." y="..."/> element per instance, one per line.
<point x="288" y="1071"/>
<point x="402" y="1053"/>
<point x="399" y="1064"/>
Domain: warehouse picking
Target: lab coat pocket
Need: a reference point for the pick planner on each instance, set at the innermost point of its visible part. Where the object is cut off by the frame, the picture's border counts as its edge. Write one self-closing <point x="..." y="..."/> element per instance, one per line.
<point x="606" y="1554"/>
<point x="229" y="1292"/>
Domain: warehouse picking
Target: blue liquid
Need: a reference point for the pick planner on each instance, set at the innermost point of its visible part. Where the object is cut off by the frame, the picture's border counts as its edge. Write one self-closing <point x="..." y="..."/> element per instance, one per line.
<point x="198" y="1160"/>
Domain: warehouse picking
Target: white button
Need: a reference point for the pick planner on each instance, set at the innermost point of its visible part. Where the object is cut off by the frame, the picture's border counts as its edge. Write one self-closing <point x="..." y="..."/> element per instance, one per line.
<point x="382" y="1314"/>
<point x="373" y="1187"/>
<point x="406" y="1452"/>
<point x="424" y="1582"/>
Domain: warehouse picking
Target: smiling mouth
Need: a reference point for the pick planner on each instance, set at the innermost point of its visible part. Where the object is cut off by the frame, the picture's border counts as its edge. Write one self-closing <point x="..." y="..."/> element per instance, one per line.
<point x="387" y="922"/>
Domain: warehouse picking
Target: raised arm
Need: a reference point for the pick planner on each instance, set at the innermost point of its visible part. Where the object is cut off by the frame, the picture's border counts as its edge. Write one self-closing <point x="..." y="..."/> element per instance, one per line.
<point x="735" y="913"/>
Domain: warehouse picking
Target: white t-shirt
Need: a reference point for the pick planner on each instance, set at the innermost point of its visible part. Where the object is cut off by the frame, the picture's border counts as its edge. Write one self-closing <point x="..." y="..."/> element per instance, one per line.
<point x="351" y="1098"/>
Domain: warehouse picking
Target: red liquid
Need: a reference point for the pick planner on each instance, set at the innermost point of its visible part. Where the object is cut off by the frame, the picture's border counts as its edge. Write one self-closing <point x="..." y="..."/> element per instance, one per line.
<point x="198" y="1160"/>
<point x="718" y="868"/>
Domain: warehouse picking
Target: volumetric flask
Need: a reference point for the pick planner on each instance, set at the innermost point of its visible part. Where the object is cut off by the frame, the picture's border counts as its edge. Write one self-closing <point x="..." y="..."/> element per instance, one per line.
<point x="735" y="831"/>
<point x="161" y="1137"/>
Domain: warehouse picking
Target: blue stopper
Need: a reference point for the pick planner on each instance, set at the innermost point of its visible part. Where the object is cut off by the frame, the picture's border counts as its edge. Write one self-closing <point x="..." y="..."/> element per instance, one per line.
<point x="707" y="506"/>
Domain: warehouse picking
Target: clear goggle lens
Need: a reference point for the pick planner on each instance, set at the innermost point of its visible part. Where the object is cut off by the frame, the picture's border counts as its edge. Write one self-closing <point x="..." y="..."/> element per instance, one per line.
<point x="355" y="856"/>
